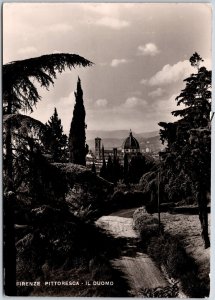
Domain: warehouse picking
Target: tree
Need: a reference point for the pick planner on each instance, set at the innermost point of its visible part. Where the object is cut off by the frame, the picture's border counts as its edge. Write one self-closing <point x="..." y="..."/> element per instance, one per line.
<point x="77" y="138"/>
<point x="136" y="168"/>
<point x="109" y="174"/>
<point x="117" y="169"/>
<point x="25" y="140"/>
<point x="103" y="170"/>
<point x="20" y="93"/>
<point x="93" y="169"/>
<point x="187" y="159"/>
<point x="126" y="169"/>
<point x="58" y="140"/>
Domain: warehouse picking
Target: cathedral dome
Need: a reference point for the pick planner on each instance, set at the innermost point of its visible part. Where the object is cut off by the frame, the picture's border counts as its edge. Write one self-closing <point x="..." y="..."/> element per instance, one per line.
<point x="131" y="144"/>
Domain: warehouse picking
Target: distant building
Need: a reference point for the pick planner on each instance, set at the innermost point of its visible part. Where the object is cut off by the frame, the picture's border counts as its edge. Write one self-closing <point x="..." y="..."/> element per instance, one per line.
<point x="130" y="145"/>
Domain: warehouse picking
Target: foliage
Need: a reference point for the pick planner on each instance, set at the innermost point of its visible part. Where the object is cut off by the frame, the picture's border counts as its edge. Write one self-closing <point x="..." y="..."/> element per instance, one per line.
<point x="126" y="199"/>
<point x="20" y="93"/>
<point x="186" y="163"/>
<point x="188" y="139"/>
<point x="57" y="140"/>
<point x="103" y="171"/>
<point x="27" y="136"/>
<point x="170" y="254"/>
<point x="109" y="169"/>
<point x="112" y="170"/>
<point x="93" y="169"/>
<point x="146" y="225"/>
<point x="117" y="170"/>
<point x="32" y="171"/>
<point x="53" y="251"/>
<point x="136" y="168"/>
<point x="77" y="139"/>
<point x="19" y="90"/>
<point x="88" y="195"/>
<point x="133" y="168"/>
<point x="126" y="169"/>
<point x="167" y="251"/>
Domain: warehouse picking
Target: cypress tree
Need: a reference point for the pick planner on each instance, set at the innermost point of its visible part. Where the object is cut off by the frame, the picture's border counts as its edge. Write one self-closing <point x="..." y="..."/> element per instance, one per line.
<point x="77" y="139"/>
<point x="109" y="175"/>
<point x="93" y="169"/>
<point x="116" y="169"/>
<point x="126" y="169"/>
<point x="103" y="170"/>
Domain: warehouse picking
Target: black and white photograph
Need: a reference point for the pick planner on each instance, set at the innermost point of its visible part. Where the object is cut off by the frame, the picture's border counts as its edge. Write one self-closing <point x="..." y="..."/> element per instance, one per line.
<point x="106" y="149"/>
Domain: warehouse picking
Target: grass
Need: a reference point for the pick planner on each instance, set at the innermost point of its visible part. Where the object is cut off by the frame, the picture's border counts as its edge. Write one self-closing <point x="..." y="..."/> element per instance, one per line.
<point x="179" y="248"/>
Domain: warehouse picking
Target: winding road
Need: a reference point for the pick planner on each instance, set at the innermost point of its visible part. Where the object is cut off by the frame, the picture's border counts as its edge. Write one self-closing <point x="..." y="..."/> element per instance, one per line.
<point x="138" y="268"/>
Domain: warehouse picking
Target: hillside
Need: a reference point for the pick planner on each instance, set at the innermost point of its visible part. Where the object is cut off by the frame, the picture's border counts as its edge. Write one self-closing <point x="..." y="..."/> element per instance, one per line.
<point x="117" y="134"/>
<point x="109" y="143"/>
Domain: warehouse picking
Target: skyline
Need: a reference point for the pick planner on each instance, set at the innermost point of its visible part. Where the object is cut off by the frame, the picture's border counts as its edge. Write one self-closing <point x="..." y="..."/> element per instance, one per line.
<point x="141" y="54"/>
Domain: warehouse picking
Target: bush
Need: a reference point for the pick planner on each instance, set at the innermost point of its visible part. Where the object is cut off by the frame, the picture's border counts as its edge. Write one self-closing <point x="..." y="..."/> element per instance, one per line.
<point x="127" y="199"/>
<point x="167" y="251"/>
<point x="117" y="199"/>
<point x="145" y="224"/>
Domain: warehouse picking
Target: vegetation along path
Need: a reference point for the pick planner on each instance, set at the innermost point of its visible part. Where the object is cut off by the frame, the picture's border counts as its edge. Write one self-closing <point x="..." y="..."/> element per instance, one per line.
<point x="143" y="276"/>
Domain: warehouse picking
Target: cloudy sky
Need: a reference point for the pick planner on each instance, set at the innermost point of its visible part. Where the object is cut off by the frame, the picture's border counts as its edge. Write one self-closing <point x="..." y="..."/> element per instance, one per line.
<point x="141" y="54"/>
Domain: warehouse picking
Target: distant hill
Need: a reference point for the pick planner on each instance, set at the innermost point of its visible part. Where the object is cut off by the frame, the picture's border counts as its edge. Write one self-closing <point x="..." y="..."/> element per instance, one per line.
<point x="154" y="143"/>
<point x="109" y="143"/>
<point x="116" y="134"/>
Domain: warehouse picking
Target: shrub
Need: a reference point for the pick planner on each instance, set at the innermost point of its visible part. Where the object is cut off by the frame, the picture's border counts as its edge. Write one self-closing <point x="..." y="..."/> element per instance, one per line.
<point x="117" y="199"/>
<point x="127" y="199"/>
<point x="167" y="251"/>
<point x="145" y="224"/>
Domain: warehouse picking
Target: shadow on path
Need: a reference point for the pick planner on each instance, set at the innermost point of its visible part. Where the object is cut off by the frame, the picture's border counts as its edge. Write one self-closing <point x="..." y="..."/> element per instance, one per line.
<point x="138" y="268"/>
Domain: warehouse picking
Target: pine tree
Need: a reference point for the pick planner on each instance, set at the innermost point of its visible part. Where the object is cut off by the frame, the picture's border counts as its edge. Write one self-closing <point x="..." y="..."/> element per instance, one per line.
<point x="187" y="160"/>
<point x="58" y="140"/>
<point x="19" y="92"/>
<point x="77" y="139"/>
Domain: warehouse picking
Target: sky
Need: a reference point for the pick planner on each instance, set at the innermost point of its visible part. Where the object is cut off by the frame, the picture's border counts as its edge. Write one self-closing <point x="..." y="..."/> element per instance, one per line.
<point x="140" y="52"/>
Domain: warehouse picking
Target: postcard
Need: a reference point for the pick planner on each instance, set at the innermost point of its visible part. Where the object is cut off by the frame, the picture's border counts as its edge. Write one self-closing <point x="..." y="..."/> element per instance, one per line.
<point x="107" y="149"/>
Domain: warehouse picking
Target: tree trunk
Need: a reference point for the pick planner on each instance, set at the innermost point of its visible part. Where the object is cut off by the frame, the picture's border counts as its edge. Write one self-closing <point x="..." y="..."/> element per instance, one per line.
<point x="8" y="148"/>
<point x="9" y="250"/>
<point x="9" y="254"/>
<point x="203" y="217"/>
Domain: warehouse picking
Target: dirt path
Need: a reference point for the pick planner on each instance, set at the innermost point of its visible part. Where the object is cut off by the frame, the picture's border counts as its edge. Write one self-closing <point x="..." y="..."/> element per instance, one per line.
<point x="140" y="271"/>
